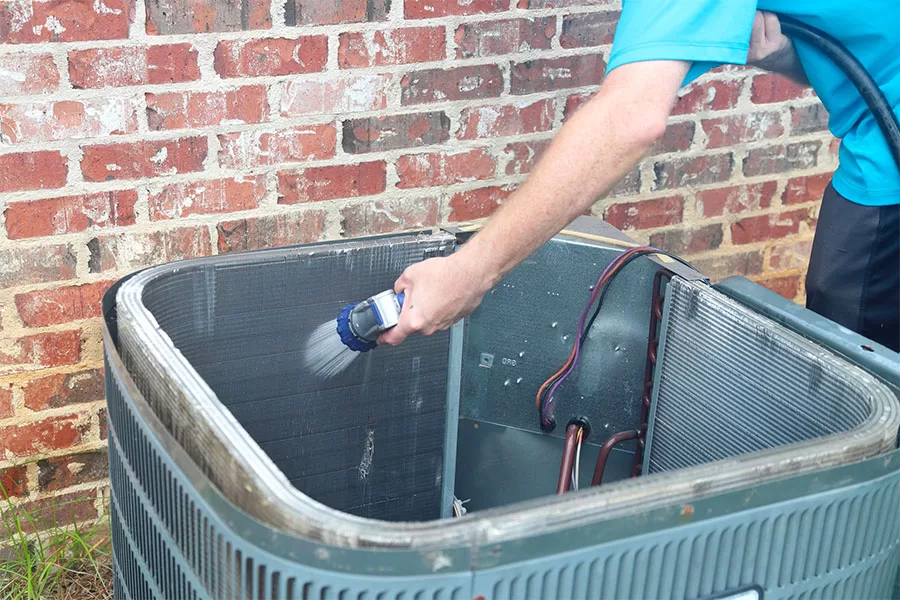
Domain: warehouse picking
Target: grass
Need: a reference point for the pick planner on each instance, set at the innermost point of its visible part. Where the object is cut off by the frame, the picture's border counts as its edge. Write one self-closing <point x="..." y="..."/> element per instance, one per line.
<point x="65" y="561"/>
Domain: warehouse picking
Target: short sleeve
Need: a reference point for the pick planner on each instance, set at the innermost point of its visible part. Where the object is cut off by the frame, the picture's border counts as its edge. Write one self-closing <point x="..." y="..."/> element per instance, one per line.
<point x="706" y="33"/>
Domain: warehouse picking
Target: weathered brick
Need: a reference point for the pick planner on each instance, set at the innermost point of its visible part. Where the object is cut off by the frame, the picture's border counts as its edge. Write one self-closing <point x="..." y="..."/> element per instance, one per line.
<point x="129" y="251"/>
<point x="475" y="204"/>
<point x="271" y="230"/>
<point x="429" y="9"/>
<point x="806" y="189"/>
<point x="508" y="36"/>
<point x="391" y="47"/>
<point x="533" y="4"/>
<point x="249" y="149"/>
<point x="769" y="227"/>
<point x="787" y="286"/>
<point x="742" y="129"/>
<point x="316" y="184"/>
<point x="331" y="12"/>
<point x="101" y="415"/>
<point x="689" y="240"/>
<point x="133" y="65"/>
<point x="781" y="158"/>
<point x="36" y="264"/>
<point x="13" y="483"/>
<point x="445" y="168"/>
<point x="6" y="406"/>
<point x="28" y="74"/>
<point x="271" y="56"/>
<point x="70" y="214"/>
<point x="335" y="96"/>
<point x="628" y="185"/>
<point x="644" y="214"/>
<point x="178" y="200"/>
<point x="67" y="119"/>
<point x="44" y="349"/>
<point x="735" y="199"/>
<point x="165" y="17"/>
<point x="377" y="134"/>
<point x="508" y="120"/>
<point x="808" y="119"/>
<point x="22" y="171"/>
<point x="547" y="74"/>
<point x="791" y="255"/>
<point x="387" y="215"/>
<point x="33" y="21"/>
<point x="59" y="473"/>
<point x="708" y="96"/>
<point x="179" y="110"/>
<point x="64" y="389"/>
<point x="770" y="87"/>
<point x="107" y="162"/>
<point x="461" y="83"/>
<point x="56" y="512"/>
<point x="61" y="305"/>
<point x="742" y="263"/>
<point x="588" y="29"/>
<point x="678" y="138"/>
<point x="525" y="156"/>
<point x="700" y="170"/>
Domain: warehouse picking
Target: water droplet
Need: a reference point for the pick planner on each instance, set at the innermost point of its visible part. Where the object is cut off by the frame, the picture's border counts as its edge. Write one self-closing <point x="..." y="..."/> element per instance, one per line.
<point x="554" y="324"/>
<point x="606" y="426"/>
<point x="521" y="354"/>
<point x="591" y="289"/>
<point x="506" y="383"/>
<point x="617" y="349"/>
<point x="565" y="338"/>
<point x="519" y="380"/>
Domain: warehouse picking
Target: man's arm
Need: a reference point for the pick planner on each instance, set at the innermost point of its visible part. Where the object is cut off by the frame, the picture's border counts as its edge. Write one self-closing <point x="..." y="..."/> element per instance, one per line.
<point x="772" y="50"/>
<point x="596" y="148"/>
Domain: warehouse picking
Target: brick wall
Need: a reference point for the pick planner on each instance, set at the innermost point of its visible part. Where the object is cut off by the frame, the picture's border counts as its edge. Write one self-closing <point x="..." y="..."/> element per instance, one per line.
<point x="135" y="132"/>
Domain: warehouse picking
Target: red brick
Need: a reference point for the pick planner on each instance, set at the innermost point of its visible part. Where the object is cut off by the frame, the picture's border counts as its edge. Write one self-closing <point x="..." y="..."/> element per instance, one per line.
<point x="782" y="158"/>
<point x="834" y="148"/>
<point x="509" y="120"/>
<point x="475" y="204"/>
<point x="445" y="168"/>
<point x="22" y="171"/>
<point x="70" y="214"/>
<point x="377" y="134"/>
<point x="28" y="265"/>
<point x="533" y="4"/>
<point x="64" y="389"/>
<point x="67" y="119"/>
<point x="792" y="255"/>
<point x="391" y="47"/>
<point x="808" y="119"/>
<point x="525" y="156"/>
<point x="335" y="96"/>
<point x="13" y="483"/>
<point x="787" y="286"/>
<point x="588" y="29"/>
<point x="699" y="170"/>
<point x="429" y="9"/>
<point x="332" y="12"/>
<point x="61" y="305"/>
<point x="547" y="74"/>
<point x="179" y="200"/>
<point x="6" y="407"/>
<point x="806" y="189"/>
<point x="645" y="214"/>
<point x="271" y="230"/>
<point x="509" y="36"/>
<point x="32" y="21"/>
<point x="678" y="138"/>
<point x="101" y="415"/>
<point x="720" y="267"/>
<point x="316" y="184"/>
<point x="769" y="87"/>
<point x="271" y="56"/>
<point x="689" y="241"/>
<point x="28" y="74"/>
<point x="128" y="251"/>
<point x="735" y="199"/>
<point x="133" y="65"/>
<point x="385" y="216"/>
<point x="136" y="160"/>
<point x="249" y="149"/>
<point x="45" y="349"/>
<point x="179" y="110"/>
<point x="742" y="129"/>
<point x="709" y="96"/>
<point x="441" y="85"/>
<point x="59" y="473"/>
<point x="769" y="227"/>
<point x="165" y="17"/>
<point x="56" y="512"/>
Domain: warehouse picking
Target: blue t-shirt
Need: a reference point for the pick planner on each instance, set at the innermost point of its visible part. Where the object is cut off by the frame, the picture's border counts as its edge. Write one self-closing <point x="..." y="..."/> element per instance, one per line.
<point x="714" y="32"/>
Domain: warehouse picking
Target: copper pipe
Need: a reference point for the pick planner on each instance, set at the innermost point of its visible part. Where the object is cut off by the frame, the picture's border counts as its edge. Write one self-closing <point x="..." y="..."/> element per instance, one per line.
<point x="606" y="448"/>
<point x="568" y="459"/>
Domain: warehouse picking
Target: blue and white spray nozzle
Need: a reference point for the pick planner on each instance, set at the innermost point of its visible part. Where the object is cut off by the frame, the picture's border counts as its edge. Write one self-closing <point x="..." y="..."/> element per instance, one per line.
<point x="359" y="325"/>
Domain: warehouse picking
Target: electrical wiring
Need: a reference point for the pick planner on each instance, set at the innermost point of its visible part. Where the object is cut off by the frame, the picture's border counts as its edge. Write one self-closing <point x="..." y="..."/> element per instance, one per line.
<point x="568" y="458"/>
<point x="577" y="459"/>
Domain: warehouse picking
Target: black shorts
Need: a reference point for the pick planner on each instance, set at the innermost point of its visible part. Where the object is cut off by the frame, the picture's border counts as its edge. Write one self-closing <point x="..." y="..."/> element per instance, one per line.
<point x="854" y="268"/>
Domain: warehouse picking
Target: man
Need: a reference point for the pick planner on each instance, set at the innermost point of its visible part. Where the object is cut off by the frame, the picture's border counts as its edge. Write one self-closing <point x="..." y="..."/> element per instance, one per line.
<point x="854" y="273"/>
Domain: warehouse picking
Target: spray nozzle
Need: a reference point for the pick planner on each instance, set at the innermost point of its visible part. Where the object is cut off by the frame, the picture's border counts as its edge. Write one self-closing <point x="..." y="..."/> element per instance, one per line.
<point x="359" y="325"/>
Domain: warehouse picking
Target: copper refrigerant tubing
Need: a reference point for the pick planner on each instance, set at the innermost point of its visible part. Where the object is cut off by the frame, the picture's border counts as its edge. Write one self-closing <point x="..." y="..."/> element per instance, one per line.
<point x="606" y="448"/>
<point x="568" y="459"/>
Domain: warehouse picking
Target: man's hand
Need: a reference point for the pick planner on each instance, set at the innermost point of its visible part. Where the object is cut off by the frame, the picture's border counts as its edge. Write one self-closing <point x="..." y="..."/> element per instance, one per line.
<point x="772" y="50"/>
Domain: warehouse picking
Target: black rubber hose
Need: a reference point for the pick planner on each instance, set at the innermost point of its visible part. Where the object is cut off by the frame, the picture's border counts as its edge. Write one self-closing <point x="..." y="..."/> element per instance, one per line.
<point x="855" y="72"/>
